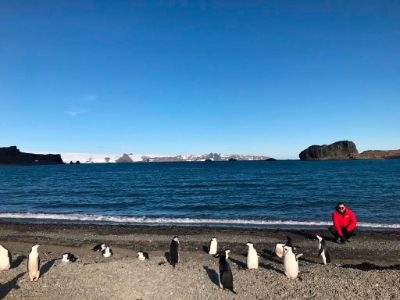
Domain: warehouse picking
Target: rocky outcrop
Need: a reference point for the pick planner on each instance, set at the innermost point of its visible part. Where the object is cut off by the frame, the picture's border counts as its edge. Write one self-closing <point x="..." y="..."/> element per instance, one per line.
<point x="124" y="159"/>
<point x="379" y="154"/>
<point x="344" y="150"/>
<point x="341" y="150"/>
<point x="12" y="156"/>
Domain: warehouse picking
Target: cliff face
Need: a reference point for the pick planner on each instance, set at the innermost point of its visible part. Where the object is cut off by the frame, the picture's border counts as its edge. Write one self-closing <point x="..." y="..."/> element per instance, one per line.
<point x="12" y="156"/>
<point x="337" y="151"/>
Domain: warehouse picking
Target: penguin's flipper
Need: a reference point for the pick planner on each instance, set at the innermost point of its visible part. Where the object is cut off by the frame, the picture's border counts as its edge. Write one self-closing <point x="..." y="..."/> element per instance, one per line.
<point x="320" y="252"/>
<point x="299" y="255"/>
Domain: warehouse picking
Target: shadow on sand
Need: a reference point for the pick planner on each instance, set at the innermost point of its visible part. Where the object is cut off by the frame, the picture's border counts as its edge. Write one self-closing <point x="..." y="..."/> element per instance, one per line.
<point x="8" y="286"/>
<point x="17" y="261"/>
<point x="212" y="274"/>
<point x="46" y="267"/>
<point x="270" y="255"/>
<point x="365" y="266"/>
<point x="239" y="263"/>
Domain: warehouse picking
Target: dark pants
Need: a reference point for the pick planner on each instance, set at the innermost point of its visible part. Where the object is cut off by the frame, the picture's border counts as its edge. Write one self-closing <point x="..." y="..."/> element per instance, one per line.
<point x="346" y="234"/>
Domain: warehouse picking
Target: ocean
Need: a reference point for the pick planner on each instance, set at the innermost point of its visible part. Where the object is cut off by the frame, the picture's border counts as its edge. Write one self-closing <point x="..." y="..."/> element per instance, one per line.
<point x="277" y="194"/>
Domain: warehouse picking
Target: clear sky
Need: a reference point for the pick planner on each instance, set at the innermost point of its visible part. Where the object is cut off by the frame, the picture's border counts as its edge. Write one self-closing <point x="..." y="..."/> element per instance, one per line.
<point x="180" y="77"/>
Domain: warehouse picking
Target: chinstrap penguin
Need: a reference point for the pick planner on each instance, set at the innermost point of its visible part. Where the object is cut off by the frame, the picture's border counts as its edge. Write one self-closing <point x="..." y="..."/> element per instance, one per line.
<point x="142" y="255"/>
<point x="174" y="251"/>
<point x="323" y="250"/>
<point x="225" y="272"/>
<point x="252" y="256"/>
<point x="107" y="252"/>
<point x="290" y="260"/>
<point x="5" y="259"/>
<point x="34" y="264"/>
<point x="213" y="246"/>
<point x="68" y="257"/>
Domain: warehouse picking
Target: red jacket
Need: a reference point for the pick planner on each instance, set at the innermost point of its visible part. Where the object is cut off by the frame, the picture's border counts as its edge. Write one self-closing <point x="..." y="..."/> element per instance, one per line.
<point x="347" y="220"/>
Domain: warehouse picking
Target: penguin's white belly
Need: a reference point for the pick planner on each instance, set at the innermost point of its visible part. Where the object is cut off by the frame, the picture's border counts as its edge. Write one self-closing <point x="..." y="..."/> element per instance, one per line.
<point x="323" y="256"/>
<point x="291" y="267"/>
<point x="33" y="268"/>
<point x="252" y="259"/>
<point x="4" y="263"/>
<point x="213" y="249"/>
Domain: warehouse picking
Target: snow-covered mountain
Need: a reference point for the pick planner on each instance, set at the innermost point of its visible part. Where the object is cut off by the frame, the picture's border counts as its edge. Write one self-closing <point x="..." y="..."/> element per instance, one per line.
<point x="127" y="158"/>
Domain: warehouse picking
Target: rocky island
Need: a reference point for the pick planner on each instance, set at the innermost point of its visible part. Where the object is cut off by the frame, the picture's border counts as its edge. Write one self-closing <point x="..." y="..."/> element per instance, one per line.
<point x="12" y="156"/>
<point x="344" y="150"/>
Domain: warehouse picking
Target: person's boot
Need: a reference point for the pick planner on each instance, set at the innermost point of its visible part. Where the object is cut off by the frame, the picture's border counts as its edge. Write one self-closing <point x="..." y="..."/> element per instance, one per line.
<point x="340" y="240"/>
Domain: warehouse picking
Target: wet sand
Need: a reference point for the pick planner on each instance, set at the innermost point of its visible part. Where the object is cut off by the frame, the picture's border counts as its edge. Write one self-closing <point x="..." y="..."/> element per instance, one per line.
<point x="368" y="267"/>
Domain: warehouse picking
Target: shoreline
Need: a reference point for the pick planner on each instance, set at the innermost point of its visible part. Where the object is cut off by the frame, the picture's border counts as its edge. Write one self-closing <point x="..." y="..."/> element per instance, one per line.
<point x="367" y="267"/>
<point x="189" y="226"/>
<point x="194" y="238"/>
<point x="186" y="222"/>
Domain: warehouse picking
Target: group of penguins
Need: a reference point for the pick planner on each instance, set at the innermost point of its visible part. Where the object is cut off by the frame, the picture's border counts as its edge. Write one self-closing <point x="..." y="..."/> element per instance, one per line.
<point x="283" y="250"/>
<point x="286" y="251"/>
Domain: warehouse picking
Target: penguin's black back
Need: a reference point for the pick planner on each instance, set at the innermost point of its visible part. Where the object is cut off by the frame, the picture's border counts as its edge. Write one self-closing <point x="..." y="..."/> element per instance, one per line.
<point x="225" y="274"/>
<point x="71" y="257"/>
<point x="97" y="247"/>
<point x="174" y="253"/>
<point x="324" y="247"/>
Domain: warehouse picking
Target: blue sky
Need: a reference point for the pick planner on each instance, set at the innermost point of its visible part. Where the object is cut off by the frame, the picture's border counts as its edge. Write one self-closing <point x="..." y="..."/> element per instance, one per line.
<point x="179" y="77"/>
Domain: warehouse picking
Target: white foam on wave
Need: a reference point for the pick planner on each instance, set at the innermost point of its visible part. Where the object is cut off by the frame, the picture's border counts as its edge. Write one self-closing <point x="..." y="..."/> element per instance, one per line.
<point x="177" y="221"/>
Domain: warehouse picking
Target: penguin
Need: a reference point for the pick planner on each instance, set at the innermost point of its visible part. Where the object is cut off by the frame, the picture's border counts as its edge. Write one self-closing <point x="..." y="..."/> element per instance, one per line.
<point x="252" y="256"/>
<point x="225" y="273"/>
<point x="34" y="264"/>
<point x="68" y="257"/>
<point x="290" y="261"/>
<point x="5" y="259"/>
<point x="143" y="255"/>
<point x="323" y="250"/>
<point x="279" y="250"/>
<point x="107" y="252"/>
<point x="99" y="247"/>
<point x="174" y="251"/>
<point x="212" y="246"/>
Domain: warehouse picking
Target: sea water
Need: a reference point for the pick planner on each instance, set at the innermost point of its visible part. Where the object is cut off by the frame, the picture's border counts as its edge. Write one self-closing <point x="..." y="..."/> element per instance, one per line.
<point x="247" y="193"/>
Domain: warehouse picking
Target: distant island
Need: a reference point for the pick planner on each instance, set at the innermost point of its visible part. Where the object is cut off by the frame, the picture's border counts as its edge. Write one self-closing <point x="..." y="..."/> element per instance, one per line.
<point x="345" y="150"/>
<point x="12" y="156"/>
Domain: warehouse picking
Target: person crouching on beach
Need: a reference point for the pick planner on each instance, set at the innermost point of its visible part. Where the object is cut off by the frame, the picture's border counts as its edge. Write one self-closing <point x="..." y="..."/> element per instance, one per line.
<point x="344" y="223"/>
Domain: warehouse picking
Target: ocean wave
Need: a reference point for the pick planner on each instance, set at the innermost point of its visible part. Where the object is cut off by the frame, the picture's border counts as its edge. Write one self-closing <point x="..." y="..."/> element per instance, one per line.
<point x="177" y="221"/>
